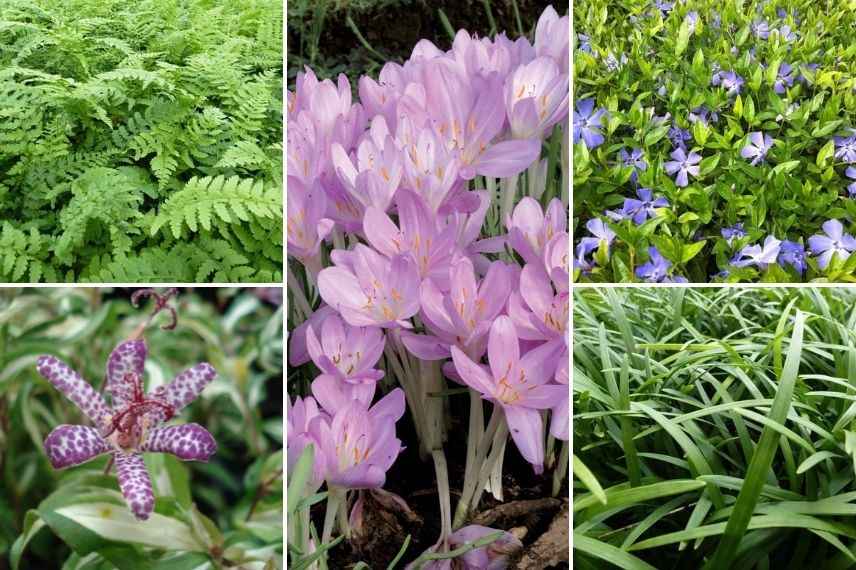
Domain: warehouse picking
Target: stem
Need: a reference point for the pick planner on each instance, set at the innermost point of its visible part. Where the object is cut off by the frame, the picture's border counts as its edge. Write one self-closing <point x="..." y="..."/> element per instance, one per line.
<point x="334" y="500"/>
<point x="475" y="434"/>
<point x="548" y="452"/>
<point x="344" y="525"/>
<point x="442" y="471"/>
<point x="298" y="294"/>
<point x="487" y="467"/>
<point x="561" y="469"/>
<point x="462" y="510"/>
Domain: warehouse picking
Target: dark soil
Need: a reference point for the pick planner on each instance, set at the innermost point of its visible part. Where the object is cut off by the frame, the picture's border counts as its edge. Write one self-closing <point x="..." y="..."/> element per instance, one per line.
<point x="413" y="480"/>
<point x="394" y="30"/>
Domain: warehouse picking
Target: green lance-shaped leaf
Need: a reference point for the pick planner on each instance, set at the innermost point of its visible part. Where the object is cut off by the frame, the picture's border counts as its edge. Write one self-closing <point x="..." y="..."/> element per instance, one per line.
<point x="755" y="478"/>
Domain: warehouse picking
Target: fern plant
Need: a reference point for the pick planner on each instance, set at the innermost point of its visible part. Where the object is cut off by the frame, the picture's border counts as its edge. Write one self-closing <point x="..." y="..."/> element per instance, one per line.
<point x="141" y="141"/>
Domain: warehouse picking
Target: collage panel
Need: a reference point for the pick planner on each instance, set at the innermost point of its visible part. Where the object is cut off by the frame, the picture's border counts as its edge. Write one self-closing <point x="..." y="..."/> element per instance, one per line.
<point x="141" y="428"/>
<point x="713" y="427"/>
<point x="141" y="142"/>
<point x="428" y="284"/>
<point x="714" y="141"/>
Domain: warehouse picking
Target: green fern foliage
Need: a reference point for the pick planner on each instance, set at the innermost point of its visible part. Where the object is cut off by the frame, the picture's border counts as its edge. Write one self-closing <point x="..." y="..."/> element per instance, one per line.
<point x="141" y="141"/>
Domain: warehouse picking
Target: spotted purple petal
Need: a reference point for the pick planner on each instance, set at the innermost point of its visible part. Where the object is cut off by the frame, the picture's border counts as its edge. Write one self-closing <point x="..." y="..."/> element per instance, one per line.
<point x="128" y="358"/>
<point x="188" y="442"/>
<point x="72" y="445"/>
<point x="74" y="387"/>
<point x="135" y="484"/>
<point x="186" y="386"/>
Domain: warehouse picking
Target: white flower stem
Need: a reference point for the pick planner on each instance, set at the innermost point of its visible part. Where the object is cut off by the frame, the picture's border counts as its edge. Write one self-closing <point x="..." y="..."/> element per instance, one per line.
<point x="462" y="510"/>
<point x="561" y="469"/>
<point x="496" y="452"/>
<point x="334" y="501"/>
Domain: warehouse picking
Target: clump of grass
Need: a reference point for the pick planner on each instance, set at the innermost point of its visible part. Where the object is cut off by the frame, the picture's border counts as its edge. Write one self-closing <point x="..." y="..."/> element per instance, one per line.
<point x="713" y="428"/>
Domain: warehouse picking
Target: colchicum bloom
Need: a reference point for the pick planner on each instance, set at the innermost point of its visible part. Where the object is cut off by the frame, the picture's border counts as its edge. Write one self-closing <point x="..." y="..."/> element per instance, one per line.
<point x="587" y="124"/>
<point x="758" y="255"/>
<point x="682" y="165"/>
<point x="520" y="385"/>
<point x="536" y="98"/>
<point x="345" y="352"/>
<point x="358" y="443"/>
<point x="306" y="225"/>
<point x="824" y="247"/>
<point x="368" y="289"/>
<point x="759" y="145"/>
<point x="538" y="312"/>
<point x="529" y="229"/>
<point x="494" y="556"/>
<point x="133" y="425"/>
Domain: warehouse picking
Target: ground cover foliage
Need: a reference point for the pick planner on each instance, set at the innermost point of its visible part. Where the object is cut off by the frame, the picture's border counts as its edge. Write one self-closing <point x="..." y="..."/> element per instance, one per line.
<point x="713" y="428"/>
<point x="718" y="133"/>
<point x="140" y="141"/>
<point x="226" y="512"/>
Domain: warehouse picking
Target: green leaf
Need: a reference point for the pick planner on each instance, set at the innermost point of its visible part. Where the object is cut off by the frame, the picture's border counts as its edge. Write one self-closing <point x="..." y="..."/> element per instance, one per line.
<point x="32" y="525"/>
<point x="609" y="553"/>
<point x="709" y="164"/>
<point x="584" y="474"/>
<point x="825" y="153"/>
<point x="762" y="458"/>
<point x="656" y="134"/>
<point x="691" y="250"/>
<point x="738" y="107"/>
<point x="300" y="477"/>
<point x="683" y="38"/>
<point x="785" y="167"/>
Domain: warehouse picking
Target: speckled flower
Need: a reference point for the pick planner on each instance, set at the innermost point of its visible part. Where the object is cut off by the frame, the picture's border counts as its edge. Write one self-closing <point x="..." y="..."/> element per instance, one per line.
<point x="132" y="425"/>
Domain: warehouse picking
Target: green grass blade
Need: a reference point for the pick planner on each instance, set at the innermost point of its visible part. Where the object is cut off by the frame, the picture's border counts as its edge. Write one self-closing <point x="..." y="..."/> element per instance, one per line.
<point x="609" y="553"/>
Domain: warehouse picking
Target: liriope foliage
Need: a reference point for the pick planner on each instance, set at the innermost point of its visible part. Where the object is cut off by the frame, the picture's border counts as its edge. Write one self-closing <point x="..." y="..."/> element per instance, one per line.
<point x="140" y="141"/>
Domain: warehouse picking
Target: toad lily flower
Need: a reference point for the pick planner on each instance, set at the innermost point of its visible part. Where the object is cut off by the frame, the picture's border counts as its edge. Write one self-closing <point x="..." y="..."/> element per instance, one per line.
<point x="131" y="426"/>
<point x="518" y="384"/>
<point x="368" y="289"/>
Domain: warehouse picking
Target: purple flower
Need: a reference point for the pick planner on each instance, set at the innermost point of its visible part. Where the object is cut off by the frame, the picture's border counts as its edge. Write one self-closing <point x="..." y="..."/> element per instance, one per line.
<point x="529" y="229"/>
<point x="784" y="78"/>
<point x="692" y="19"/>
<point x="538" y="312"/>
<point x="556" y="262"/>
<point x="728" y="80"/>
<point x="758" y="255"/>
<point x="656" y="269"/>
<point x="734" y="232"/>
<point x="421" y="236"/>
<point x="811" y="67"/>
<point x="682" y="165"/>
<point x="845" y="148"/>
<point x="664" y="6"/>
<point x="787" y="34"/>
<point x="298" y="417"/>
<point x="584" y="44"/>
<point x="520" y="385"/>
<point x="634" y="158"/>
<point x="679" y="137"/>
<point x="824" y="247"/>
<point x="583" y="249"/>
<point x="536" y="98"/>
<point x="641" y="209"/>
<point x="600" y="231"/>
<point x="851" y="173"/>
<point x="792" y="253"/>
<point x="553" y="37"/>
<point x="759" y="144"/>
<point x="131" y="426"/>
<point x="357" y="444"/>
<point x="494" y="556"/>
<point x="306" y="225"/>
<point x="345" y="352"/>
<point x="462" y="314"/>
<point x="587" y="123"/>
<point x="368" y="289"/>
<point x="703" y="115"/>
<point x="761" y="29"/>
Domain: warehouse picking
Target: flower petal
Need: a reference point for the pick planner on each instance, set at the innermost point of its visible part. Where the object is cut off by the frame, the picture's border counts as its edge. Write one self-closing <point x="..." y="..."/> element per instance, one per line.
<point x="527" y="432"/>
<point x="188" y="442"/>
<point x="74" y="387"/>
<point x="135" y="484"/>
<point x="70" y="445"/>
<point x="472" y="374"/>
<point x="186" y="386"/>
<point x="127" y="358"/>
<point x="508" y="158"/>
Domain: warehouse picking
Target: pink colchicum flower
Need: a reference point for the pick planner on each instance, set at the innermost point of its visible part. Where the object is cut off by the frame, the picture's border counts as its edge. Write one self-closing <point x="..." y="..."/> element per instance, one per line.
<point x="538" y="312"/>
<point x="463" y="316"/>
<point x="529" y="229"/>
<point x="494" y="556"/>
<point x="132" y="426"/>
<point x="536" y="97"/>
<point x="306" y="225"/>
<point x="358" y="443"/>
<point x="518" y="384"/>
<point x="371" y="290"/>
<point x="345" y="352"/>
<point x="298" y="417"/>
<point x="552" y="37"/>
<point x="430" y="245"/>
<point x="469" y="114"/>
<point x="557" y="261"/>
